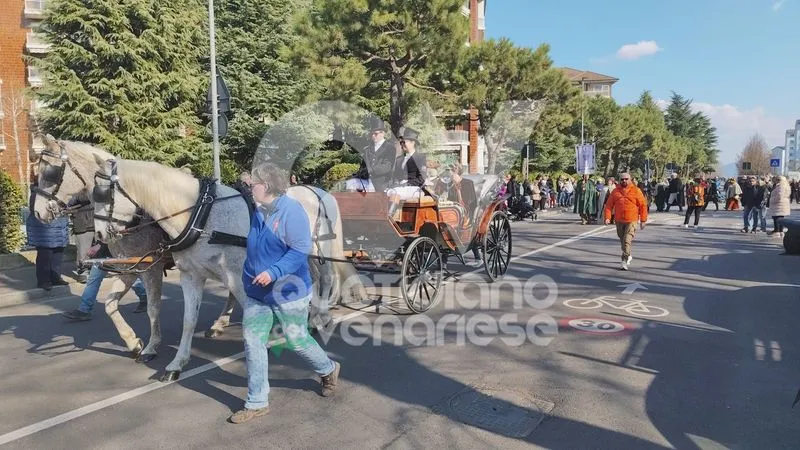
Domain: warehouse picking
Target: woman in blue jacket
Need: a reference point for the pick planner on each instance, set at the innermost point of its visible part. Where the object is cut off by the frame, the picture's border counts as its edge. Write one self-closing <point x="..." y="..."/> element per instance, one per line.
<point x="49" y="240"/>
<point x="277" y="281"/>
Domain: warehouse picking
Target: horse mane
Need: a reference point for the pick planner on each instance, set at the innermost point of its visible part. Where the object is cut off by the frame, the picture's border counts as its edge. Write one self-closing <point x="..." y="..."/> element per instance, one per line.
<point x="153" y="183"/>
<point x="86" y="151"/>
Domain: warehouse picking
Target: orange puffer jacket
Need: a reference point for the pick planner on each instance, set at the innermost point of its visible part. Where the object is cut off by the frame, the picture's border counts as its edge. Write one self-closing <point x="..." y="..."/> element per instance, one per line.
<point x="628" y="204"/>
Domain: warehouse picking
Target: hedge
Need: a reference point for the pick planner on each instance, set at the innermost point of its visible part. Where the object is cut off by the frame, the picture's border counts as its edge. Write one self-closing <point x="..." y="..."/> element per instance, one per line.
<point x="11" y="204"/>
<point x="338" y="173"/>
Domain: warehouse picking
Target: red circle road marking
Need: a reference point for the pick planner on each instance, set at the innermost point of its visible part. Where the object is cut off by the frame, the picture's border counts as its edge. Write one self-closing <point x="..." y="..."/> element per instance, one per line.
<point x="596" y="326"/>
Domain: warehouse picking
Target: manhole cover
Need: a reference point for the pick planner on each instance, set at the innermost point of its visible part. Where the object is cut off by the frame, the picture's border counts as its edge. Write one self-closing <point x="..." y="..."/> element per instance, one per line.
<point x="507" y="412"/>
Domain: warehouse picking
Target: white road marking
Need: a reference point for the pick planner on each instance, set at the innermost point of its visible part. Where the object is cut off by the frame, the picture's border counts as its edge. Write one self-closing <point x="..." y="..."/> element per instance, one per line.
<point x="102" y="404"/>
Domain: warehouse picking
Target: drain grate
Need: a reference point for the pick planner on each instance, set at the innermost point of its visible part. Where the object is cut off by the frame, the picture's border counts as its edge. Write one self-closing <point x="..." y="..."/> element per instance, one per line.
<point x="511" y="413"/>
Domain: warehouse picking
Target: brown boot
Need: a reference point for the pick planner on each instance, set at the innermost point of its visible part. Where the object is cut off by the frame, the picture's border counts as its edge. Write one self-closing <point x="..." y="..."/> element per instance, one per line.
<point x="246" y="415"/>
<point x="329" y="381"/>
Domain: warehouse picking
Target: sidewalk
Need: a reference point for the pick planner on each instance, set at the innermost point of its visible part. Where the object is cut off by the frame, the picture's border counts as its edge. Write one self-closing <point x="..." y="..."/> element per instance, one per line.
<point x="18" y="279"/>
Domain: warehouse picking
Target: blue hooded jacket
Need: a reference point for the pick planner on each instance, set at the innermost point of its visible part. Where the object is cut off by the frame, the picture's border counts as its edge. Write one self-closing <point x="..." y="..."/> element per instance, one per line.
<point x="279" y="242"/>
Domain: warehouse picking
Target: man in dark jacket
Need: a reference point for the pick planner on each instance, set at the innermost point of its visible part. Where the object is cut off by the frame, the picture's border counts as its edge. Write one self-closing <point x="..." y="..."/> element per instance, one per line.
<point x="675" y="192"/>
<point x="409" y="172"/>
<point x="377" y="163"/>
<point x="753" y="196"/>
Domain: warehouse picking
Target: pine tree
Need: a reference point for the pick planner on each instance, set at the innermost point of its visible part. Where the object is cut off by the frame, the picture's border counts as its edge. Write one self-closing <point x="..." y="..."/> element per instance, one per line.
<point x="251" y="36"/>
<point x="368" y="51"/>
<point x="126" y="75"/>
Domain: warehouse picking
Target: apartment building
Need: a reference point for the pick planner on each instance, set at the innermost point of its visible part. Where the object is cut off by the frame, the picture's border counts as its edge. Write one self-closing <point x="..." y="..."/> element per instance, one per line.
<point x="18" y="42"/>
<point x="592" y="83"/>
<point x="792" y="146"/>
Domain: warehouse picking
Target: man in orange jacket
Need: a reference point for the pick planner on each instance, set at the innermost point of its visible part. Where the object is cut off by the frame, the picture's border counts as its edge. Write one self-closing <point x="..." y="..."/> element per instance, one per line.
<point x="629" y="206"/>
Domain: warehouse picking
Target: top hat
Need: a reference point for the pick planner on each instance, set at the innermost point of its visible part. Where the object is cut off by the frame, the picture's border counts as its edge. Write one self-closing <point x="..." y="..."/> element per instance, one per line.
<point x="377" y="125"/>
<point x="409" y="134"/>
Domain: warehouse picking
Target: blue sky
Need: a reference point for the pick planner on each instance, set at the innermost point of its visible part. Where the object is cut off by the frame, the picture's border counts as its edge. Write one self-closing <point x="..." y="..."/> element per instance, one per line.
<point x="739" y="60"/>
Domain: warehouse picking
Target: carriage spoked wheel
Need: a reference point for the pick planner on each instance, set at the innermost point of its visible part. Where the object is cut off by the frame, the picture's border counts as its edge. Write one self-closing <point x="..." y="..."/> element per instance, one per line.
<point x="422" y="274"/>
<point x="497" y="246"/>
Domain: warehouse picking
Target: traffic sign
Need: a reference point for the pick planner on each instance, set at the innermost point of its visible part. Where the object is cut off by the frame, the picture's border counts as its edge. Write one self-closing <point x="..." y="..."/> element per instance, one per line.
<point x="223" y="96"/>
<point x="774" y="162"/>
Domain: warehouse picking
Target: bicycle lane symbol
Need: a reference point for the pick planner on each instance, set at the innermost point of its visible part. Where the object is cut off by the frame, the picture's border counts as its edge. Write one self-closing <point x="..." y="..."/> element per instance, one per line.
<point x="638" y="308"/>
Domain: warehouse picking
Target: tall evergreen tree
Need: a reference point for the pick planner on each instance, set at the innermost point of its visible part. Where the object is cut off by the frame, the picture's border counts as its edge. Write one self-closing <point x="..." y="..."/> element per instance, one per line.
<point x="127" y="75"/>
<point x="368" y="51"/>
<point x="251" y="36"/>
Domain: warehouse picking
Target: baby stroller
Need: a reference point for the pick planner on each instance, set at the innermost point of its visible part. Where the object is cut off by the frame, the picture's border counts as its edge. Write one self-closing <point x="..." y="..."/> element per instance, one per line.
<point x="520" y="206"/>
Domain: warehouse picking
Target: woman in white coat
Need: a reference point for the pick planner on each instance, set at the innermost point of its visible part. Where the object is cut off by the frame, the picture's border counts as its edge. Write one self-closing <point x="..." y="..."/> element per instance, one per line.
<point x="779" y="203"/>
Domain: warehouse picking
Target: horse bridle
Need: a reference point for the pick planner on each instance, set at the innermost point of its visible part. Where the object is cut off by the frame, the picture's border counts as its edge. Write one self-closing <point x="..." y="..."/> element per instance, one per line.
<point x="105" y="194"/>
<point x="55" y="175"/>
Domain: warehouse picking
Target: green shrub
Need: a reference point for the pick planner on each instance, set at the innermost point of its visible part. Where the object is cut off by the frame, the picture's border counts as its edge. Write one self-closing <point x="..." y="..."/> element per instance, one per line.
<point x="338" y="173"/>
<point x="11" y="203"/>
<point x="229" y="172"/>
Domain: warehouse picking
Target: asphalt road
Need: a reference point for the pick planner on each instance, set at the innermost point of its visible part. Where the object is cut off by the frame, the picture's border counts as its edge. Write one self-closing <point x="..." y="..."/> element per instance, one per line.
<point x="695" y="347"/>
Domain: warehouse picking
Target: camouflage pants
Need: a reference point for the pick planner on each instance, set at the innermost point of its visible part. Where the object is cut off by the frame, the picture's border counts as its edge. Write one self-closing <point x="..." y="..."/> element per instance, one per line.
<point x="257" y="324"/>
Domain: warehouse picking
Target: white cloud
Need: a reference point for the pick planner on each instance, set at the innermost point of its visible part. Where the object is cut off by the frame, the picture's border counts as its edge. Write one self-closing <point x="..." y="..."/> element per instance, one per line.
<point x="777" y="5"/>
<point x="735" y="126"/>
<point x="636" y="51"/>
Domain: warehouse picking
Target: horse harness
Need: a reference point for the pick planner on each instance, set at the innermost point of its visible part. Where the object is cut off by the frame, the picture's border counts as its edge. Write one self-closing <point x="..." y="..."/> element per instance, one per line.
<point x="53" y="174"/>
<point x="200" y="213"/>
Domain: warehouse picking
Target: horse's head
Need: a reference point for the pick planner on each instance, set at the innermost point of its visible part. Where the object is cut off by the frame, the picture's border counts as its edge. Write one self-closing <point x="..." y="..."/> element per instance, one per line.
<point x="57" y="181"/>
<point x="114" y="209"/>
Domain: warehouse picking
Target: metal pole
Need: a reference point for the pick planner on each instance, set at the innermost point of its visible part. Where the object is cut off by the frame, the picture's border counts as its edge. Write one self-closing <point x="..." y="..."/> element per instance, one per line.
<point x="583" y="106"/>
<point x="214" y="96"/>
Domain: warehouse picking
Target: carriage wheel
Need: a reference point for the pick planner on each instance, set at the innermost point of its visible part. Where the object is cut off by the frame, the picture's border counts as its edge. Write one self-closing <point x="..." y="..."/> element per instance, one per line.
<point x="421" y="274"/>
<point x="497" y="246"/>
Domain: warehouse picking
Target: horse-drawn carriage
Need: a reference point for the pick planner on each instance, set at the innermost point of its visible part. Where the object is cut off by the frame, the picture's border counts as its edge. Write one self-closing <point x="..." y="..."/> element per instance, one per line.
<point x="422" y="235"/>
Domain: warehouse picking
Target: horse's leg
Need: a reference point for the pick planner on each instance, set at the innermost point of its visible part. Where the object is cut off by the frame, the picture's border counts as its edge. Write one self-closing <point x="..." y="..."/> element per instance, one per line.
<point x="120" y="286"/>
<point x="192" y="286"/>
<point x="153" y="281"/>
<point x="224" y="318"/>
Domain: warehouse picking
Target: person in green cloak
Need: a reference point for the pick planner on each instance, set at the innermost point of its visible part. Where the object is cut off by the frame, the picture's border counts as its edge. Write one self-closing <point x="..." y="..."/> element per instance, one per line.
<point x="586" y="199"/>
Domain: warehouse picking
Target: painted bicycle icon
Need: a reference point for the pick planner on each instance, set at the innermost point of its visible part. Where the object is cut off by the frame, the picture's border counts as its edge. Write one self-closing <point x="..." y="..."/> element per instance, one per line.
<point x="633" y="307"/>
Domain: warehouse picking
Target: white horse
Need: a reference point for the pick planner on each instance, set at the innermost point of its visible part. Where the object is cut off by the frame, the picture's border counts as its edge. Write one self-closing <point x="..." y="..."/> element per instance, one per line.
<point x="161" y="192"/>
<point x="66" y="169"/>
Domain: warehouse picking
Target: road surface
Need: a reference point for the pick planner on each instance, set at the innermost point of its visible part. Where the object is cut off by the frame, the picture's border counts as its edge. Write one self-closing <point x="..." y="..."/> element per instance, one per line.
<point x="695" y="347"/>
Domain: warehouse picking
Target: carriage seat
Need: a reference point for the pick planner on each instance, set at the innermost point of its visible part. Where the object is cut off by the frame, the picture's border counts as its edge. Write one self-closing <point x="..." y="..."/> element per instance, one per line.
<point x="425" y="200"/>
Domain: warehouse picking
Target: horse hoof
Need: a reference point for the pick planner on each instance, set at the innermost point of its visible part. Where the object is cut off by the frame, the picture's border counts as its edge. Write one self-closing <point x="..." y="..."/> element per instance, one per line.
<point x="145" y="358"/>
<point x="170" y="375"/>
<point x="212" y="333"/>
<point x="137" y="351"/>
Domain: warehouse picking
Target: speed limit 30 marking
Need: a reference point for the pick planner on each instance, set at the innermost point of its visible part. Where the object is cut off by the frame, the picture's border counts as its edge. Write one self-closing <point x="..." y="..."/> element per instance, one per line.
<point x="594" y="325"/>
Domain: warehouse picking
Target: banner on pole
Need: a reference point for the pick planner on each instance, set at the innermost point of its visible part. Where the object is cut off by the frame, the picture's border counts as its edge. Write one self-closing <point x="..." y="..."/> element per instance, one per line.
<point x="584" y="158"/>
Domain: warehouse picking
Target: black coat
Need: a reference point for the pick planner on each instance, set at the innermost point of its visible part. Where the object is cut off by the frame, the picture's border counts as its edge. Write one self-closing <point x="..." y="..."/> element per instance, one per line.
<point x="753" y="195"/>
<point x="413" y="172"/>
<point x="378" y="165"/>
<point x="467" y="193"/>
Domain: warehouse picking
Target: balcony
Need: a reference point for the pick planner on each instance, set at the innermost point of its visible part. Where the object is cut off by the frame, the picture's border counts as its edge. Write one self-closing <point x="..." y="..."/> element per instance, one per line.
<point x="34" y="9"/>
<point x="34" y="77"/>
<point x="36" y="43"/>
<point x="457" y="136"/>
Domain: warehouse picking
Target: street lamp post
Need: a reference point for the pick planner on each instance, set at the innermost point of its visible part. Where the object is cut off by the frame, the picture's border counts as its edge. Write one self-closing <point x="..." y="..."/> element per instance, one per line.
<point x="583" y="106"/>
<point x="214" y="97"/>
